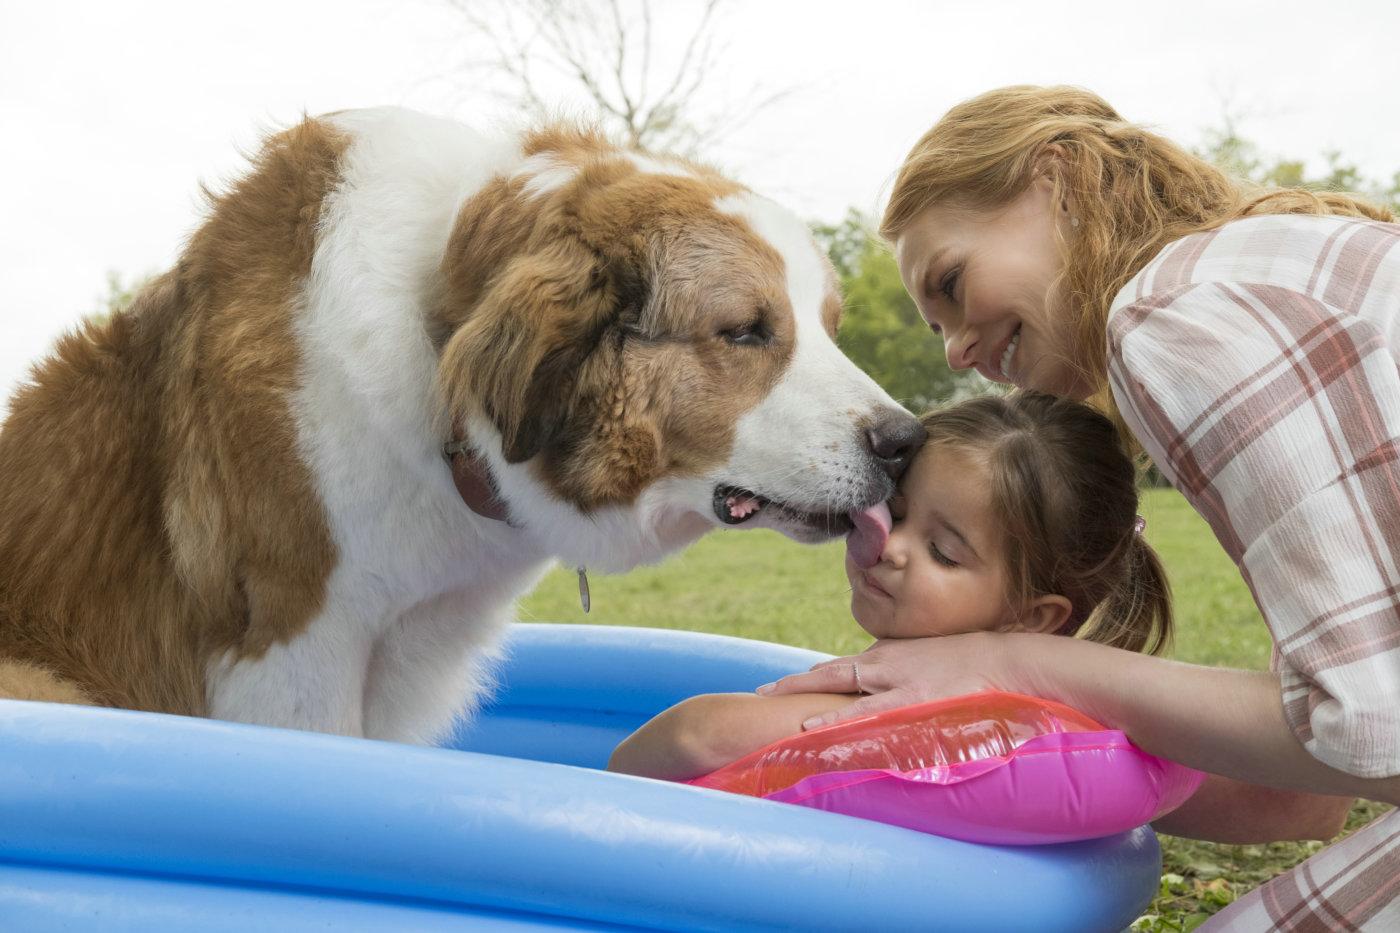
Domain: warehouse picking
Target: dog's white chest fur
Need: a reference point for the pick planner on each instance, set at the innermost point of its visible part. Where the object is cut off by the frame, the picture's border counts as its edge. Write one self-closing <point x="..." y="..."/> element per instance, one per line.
<point x="422" y="586"/>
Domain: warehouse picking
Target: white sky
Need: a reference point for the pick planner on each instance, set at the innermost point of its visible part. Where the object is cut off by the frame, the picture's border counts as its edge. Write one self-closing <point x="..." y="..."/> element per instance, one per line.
<point x="111" y="113"/>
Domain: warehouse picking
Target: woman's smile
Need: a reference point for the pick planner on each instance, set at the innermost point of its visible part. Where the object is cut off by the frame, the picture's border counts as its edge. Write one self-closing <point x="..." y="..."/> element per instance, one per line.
<point x="1004" y="364"/>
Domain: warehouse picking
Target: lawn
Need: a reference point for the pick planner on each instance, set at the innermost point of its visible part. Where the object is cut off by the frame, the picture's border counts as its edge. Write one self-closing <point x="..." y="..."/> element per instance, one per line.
<point x="758" y="585"/>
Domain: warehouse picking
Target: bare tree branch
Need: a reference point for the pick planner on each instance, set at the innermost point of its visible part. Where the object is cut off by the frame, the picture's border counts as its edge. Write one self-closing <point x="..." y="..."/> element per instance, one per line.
<point x="608" y="51"/>
<point x="683" y="68"/>
<point x="646" y="49"/>
<point x="620" y="61"/>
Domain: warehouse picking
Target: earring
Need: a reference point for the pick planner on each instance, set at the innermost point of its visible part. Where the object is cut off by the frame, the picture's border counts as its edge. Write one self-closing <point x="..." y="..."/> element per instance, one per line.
<point x="1074" y="222"/>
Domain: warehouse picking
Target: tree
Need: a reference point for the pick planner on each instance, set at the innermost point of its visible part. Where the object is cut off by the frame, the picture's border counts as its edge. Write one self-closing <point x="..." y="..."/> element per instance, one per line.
<point x="639" y="80"/>
<point x="882" y="331"/>
<point x="120" y="293"/>
<point x="1241" y="158"/>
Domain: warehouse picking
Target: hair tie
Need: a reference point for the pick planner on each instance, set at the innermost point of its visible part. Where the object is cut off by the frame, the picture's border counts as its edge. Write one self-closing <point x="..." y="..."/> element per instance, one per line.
<point x="1139" y="525"/>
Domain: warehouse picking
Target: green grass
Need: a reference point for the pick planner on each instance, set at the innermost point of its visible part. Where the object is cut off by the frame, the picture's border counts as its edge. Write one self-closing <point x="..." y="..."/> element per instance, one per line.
<point x="758" y="585"/>
<point x="752" y="584"/>
<point x="1217" y="622"/>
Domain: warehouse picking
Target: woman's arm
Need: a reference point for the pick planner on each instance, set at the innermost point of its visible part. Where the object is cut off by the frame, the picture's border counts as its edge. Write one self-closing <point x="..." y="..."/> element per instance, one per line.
<point x="1223" y="810"/>
<point x="1226" y="722"/>
<point x="707" y="732"/>
<point x="1288" y="451"/>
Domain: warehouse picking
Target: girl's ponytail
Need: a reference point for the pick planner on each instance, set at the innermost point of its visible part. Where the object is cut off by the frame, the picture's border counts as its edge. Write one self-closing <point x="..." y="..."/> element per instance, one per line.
<point x="1137" y="613"/>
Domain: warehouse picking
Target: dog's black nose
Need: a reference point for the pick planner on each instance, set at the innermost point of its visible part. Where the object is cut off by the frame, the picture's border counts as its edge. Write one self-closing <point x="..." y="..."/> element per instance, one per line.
<point x="894" y="439"/>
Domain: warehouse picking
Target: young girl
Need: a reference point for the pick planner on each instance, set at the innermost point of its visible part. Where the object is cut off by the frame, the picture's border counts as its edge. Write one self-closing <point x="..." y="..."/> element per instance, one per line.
<point x="1018" y="515"/>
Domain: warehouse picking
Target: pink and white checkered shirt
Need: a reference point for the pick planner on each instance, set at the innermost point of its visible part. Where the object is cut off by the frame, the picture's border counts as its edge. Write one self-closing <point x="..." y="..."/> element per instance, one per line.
<point x="1259" y="365"/>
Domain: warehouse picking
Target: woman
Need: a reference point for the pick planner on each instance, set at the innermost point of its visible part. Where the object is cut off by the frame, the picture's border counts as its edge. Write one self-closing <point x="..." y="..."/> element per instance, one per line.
<point x="1250" y="345"/>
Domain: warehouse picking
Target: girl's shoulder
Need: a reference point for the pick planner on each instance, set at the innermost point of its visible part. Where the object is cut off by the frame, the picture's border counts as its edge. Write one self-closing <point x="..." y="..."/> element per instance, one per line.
<point x="1298" y="252"/>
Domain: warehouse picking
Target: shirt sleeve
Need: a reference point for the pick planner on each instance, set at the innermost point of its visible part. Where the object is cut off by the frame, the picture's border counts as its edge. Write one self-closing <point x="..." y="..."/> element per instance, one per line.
<point x="1278" y="418"/>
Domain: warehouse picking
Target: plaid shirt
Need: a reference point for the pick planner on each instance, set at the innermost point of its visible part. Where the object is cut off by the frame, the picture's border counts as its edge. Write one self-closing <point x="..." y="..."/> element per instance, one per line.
<point x="1259" y="365"/>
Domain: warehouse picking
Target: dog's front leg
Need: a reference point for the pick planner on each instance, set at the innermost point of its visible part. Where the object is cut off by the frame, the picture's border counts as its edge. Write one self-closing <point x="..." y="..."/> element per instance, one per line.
<point x="431" y="668"/>
<point x="315" y="682"/>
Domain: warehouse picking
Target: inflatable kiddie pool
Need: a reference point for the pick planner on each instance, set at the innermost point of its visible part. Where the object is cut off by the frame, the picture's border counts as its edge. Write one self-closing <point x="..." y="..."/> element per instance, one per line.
<point x="117" y="820"/>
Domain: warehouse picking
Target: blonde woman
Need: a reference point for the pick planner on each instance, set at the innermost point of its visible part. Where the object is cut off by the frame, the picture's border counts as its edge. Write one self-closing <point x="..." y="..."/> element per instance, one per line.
<point x="1249" y="342"/>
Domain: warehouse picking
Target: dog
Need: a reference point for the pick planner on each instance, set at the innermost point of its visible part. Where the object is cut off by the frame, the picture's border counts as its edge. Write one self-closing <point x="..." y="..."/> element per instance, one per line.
<point x="400" y="369"/>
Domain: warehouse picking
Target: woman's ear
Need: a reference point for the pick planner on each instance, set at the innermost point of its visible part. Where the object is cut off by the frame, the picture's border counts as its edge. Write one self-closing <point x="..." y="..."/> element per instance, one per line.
<point x="1050" y="159"/>
<point x="1045" y="615"/>
<point x="1049" y="171"/>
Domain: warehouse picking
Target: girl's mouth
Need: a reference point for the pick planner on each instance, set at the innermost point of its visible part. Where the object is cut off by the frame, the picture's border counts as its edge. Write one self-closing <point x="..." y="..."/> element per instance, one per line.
<point x="874" y="587"/>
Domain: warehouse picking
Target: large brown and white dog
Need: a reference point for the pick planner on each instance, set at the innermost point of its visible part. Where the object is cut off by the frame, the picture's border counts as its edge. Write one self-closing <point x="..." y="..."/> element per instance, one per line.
<point x="233" y="500"/>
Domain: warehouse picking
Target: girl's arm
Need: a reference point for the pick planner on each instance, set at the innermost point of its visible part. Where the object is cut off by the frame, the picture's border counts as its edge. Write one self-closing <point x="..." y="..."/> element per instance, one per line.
<point x="709" y="731"/>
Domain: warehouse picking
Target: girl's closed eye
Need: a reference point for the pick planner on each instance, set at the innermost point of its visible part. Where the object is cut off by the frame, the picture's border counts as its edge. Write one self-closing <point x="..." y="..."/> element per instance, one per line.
<point x="939" y="556"/>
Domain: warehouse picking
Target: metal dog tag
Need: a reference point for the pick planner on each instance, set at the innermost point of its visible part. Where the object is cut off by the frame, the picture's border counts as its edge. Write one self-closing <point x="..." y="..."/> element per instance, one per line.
<point x="583" y="588"/>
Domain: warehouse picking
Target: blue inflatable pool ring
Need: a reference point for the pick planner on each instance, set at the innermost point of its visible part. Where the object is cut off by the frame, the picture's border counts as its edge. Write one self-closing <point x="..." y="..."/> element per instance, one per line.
<point x="117" y="820"/>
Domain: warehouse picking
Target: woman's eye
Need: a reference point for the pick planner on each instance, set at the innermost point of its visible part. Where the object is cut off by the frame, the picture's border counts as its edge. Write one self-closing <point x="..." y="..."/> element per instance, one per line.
<point x="939" y="556"/>
<point x="949" y="284"/>
<point x="752" y="334"/>
<point x="933" y="326"/>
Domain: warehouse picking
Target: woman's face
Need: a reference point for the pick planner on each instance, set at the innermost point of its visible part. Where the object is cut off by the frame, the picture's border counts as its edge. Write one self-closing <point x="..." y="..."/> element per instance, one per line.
<point x="985" y="281"/>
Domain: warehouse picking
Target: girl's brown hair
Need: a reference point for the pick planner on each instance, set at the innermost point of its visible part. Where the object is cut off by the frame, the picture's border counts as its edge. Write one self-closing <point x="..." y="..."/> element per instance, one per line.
<point x="1064" y="493"/>
<point x="1131" y="191"/>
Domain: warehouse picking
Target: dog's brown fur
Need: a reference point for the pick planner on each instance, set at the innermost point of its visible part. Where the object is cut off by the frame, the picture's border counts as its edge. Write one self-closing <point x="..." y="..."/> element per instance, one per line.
<point x="152" y="508"/>
<point x="625" y="248"/>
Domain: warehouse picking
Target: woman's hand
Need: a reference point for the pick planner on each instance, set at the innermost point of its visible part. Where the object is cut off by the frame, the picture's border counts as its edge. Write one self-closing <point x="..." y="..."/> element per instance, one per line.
<point x="901" y="672"/>
<point x="1222" y="721"/>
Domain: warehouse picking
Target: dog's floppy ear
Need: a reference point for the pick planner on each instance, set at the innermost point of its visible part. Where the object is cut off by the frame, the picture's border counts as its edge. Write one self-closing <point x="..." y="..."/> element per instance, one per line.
<point x="519" y="352"/>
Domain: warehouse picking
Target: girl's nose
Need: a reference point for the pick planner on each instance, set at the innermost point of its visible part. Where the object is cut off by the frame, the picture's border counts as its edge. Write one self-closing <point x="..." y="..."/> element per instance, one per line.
<point x="895" y="553"/>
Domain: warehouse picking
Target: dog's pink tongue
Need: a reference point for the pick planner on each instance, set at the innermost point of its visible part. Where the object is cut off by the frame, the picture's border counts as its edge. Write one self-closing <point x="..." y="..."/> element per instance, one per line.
<point x="866" y="542"/>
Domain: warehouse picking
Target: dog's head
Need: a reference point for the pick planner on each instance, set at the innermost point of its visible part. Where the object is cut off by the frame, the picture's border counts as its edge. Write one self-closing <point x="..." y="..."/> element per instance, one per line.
<point x="644" y="350"/>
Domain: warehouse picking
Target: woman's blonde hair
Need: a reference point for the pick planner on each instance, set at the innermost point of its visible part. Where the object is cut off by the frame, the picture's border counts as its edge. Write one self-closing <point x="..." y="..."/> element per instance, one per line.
<point x="1131" y="191"/>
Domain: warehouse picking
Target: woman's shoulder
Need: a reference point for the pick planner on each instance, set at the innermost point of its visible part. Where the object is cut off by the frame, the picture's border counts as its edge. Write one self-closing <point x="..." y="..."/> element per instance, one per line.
<point x="1297" y="252"/>
<point x="1216" y="308"/>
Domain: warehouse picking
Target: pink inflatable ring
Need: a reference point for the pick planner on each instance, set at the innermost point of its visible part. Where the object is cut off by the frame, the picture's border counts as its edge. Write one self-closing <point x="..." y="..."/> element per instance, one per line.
<point x="991" y="767"/>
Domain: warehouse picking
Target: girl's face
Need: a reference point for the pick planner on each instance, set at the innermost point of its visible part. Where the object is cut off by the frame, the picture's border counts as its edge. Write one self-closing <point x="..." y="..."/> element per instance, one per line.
<point x="985" y="281"/>
<point x="942" y="571"/>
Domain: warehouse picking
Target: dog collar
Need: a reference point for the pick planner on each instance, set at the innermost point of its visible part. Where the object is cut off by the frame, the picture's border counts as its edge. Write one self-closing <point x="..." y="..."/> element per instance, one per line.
<point x="473" y="480"/>
<point x="477" y="487"/>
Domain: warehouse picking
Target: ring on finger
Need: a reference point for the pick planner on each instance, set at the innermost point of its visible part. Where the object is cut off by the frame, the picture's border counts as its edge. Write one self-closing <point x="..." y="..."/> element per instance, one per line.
<point x="855" y="673"/>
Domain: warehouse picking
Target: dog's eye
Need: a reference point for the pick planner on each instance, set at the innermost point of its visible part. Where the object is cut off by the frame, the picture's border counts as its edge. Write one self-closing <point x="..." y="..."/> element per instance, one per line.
<point x="752" y="334"/>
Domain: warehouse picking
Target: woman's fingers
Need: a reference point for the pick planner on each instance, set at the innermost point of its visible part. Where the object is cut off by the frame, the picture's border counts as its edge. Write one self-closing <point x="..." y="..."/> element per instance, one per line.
<point x="837" y="676"/>
<point x="879" y="650"/>
<point x="831" y="663"/>
<point x="915" y="670"/>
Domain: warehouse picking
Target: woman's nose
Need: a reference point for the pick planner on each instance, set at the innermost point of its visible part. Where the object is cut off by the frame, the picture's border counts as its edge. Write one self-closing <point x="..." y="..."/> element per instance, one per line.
<point x="959" y="347"/>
